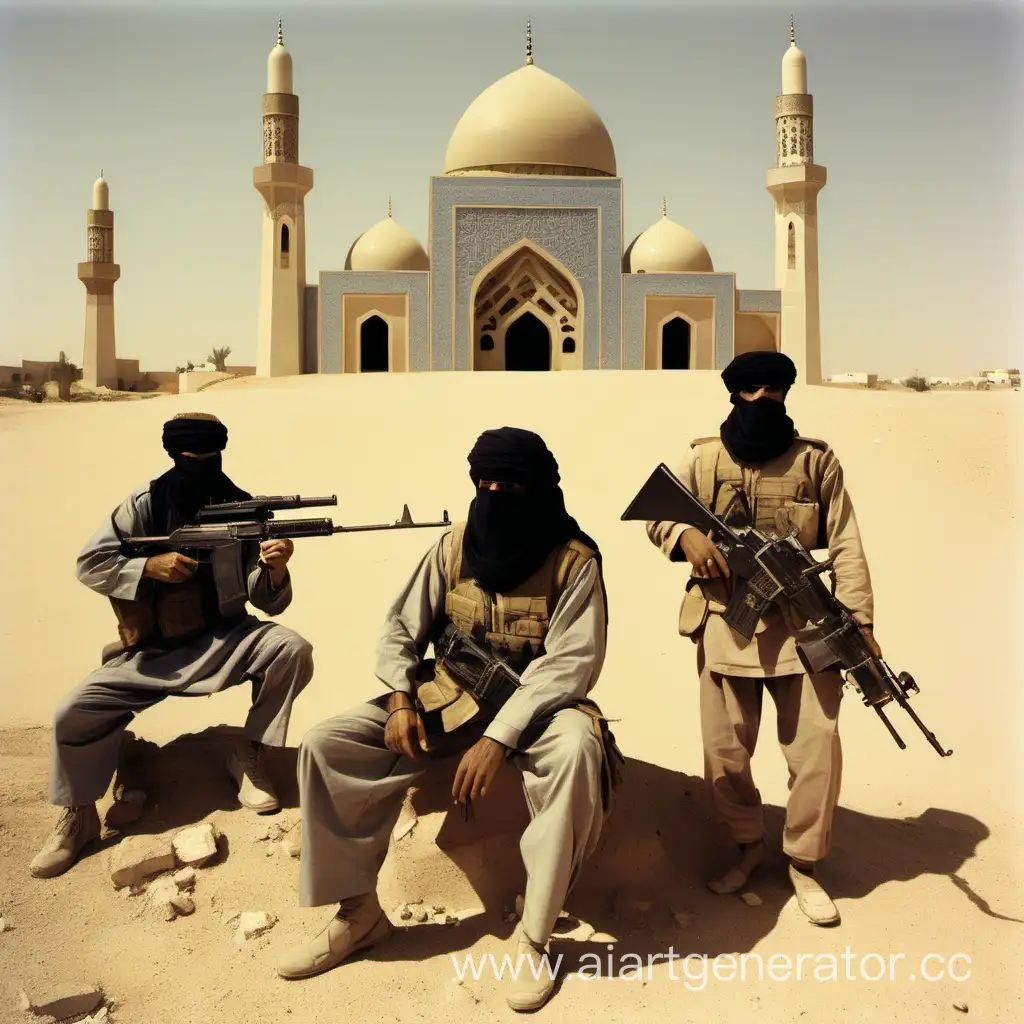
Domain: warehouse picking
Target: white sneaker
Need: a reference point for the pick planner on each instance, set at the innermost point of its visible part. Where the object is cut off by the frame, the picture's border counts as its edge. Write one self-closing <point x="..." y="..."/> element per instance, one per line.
<point x="359" y="924"/>
<point x="255" y="790"/>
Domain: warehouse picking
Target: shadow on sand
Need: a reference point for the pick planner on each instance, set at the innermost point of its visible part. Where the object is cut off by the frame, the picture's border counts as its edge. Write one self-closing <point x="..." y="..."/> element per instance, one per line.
<point x="659" y="845"/>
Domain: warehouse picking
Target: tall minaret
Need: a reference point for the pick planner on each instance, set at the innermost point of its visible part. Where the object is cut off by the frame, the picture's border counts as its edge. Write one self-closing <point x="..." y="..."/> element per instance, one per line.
<point x="283" y="183"/>
<point x="99" y="275"/>
<point x="794" y="184"/>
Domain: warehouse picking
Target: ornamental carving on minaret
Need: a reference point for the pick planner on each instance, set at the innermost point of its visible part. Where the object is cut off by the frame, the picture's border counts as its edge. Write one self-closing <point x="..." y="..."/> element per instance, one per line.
<point x="95" y="245"/>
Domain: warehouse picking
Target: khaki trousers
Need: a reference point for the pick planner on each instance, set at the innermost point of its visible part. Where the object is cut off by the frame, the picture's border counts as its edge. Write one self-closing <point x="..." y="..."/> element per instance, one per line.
<point x="351" y="789"/>
<point x="807" y="707"/>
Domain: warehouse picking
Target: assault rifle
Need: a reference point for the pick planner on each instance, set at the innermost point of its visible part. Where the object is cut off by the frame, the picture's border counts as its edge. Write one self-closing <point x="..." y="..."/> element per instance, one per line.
<point x="763" y="569"/>
<point x="253" y="521"/>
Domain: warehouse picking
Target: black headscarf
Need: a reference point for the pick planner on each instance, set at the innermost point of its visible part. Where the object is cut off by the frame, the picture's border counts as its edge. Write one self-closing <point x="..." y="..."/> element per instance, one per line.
<point x="181" y="492"/>
<point x="509" y="534"/>
<point x="758" y="431"/>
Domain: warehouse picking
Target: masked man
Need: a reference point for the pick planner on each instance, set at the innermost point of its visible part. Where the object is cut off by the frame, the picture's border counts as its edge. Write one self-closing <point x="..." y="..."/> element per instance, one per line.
<point x="525" y="583"/>
<point x="184" y="631"/>
<point x="760" y="472"/>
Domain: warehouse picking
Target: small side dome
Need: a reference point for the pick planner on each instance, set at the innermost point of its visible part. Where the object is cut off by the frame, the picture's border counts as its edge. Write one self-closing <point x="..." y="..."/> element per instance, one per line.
<point x="279" y="66"/>
<point x="100" y="194"/>
<point x="387" y="246"/>
<point x="666" y="248"/>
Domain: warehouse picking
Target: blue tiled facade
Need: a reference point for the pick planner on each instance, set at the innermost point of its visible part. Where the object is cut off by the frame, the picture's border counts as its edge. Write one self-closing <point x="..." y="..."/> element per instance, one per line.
<point x="474" y="220"/>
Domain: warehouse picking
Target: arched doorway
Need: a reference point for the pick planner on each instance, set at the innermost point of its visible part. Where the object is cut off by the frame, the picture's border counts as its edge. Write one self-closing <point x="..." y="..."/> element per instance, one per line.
<point x="527" y="344"/>
<point x="675" y="344"/>
<point x="374" y="345"/>
<point x="526" y="281"/>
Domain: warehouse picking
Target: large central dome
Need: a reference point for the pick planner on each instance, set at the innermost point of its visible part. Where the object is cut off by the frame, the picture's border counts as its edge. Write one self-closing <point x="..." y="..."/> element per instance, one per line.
<point x="530" y="122"/>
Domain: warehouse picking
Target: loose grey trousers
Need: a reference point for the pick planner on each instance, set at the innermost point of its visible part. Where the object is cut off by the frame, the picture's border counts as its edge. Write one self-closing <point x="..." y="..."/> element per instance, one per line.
<point x="88" y="725"/>
<point x="352" y="787"/>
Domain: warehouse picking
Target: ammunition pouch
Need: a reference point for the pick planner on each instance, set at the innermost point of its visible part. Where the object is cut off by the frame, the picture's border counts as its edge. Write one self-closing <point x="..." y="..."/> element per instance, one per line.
<point x="165" y="612"/>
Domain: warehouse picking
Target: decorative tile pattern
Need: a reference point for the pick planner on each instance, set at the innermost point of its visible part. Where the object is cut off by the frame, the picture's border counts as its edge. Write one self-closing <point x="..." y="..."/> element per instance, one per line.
<point x="579" y="222"/>
<point x="759" y="301"/>
<point x="636" y="286"/>
<point x="336" y="283"/>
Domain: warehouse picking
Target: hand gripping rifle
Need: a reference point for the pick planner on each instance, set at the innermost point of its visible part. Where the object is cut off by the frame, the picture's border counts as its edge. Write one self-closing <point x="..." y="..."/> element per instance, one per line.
<point x="765" y="568"/>
<point x="233" y="521"/>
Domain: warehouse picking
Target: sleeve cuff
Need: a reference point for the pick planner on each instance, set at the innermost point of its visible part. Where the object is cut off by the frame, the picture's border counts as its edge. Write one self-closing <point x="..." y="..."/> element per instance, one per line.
<point x="507" y="735"/>
<point x="129" y="576"/>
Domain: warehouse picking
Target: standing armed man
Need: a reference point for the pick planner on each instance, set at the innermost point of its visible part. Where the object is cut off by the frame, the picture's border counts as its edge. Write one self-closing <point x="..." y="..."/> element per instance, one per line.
<point x="525" y="583"/>
<point x="760" y="472"/>
<point x="184" y="631"/>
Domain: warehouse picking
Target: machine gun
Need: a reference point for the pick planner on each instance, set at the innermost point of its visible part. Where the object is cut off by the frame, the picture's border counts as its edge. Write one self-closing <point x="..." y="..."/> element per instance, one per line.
<point x="765" y="568"/>
<point x="253" y="520"/>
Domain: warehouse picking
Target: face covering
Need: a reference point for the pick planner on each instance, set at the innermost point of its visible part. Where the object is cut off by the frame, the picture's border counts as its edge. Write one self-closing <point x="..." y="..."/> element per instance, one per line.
<point x="758" y="431"/>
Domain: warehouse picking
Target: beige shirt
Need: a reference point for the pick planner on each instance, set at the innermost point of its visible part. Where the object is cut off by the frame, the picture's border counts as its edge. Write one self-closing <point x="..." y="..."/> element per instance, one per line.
<point x="772" y="651"/>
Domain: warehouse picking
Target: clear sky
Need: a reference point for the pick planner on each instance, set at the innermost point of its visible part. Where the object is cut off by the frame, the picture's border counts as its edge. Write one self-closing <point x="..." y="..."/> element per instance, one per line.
<point x="917" y="118"/>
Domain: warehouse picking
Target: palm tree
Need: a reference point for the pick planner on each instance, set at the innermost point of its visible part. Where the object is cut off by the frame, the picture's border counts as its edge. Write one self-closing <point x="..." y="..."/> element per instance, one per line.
<point x="64" y="372"/>
<point x="219" y="358"/>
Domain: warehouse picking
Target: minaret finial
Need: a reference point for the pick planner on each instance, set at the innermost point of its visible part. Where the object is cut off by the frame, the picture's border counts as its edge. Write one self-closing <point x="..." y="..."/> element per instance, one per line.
<point x="529" y="42"/>
<point x="389" y="206"/>
<point x="664" y="207"/>
<point x="792" y="31"/>
<point x="101" y="172"/>
<point x="280" y="34"/>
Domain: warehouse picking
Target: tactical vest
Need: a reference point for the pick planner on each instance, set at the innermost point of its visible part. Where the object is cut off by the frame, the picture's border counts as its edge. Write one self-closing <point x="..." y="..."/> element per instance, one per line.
<point x="168" y="613"/>
<point x="511" y="624"/>
<point x="777" y="497"/>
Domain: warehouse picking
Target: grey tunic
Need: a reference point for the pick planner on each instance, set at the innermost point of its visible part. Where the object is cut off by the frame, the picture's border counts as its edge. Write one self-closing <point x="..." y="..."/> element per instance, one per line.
<point x="89" y="723"/>
<point x="351" y="786"/>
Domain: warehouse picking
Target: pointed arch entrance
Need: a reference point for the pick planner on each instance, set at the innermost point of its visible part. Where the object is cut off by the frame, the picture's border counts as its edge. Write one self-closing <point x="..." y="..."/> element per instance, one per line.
<point x="524" y="301"/>
<point x="527" y="344"/>
<point x="374" y="345"/>
<point x="675" y="344"/>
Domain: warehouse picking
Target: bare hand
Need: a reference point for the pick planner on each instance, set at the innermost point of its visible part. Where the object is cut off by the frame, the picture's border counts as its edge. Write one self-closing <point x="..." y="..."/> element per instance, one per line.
<point x="170" y="567"/>
<point x="477" y="769"/>
<point x="869" y="636"/>
<point x="275" y="554"/>
<point x="404" y="733"/>
<point x="707" y="561"/>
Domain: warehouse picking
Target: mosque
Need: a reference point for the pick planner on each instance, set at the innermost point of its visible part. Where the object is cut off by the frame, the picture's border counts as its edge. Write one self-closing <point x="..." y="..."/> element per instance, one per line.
<point x="525" y="267"/>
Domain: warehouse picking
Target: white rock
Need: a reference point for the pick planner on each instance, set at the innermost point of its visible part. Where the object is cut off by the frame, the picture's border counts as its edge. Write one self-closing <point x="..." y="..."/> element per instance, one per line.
<point x="196" y="845"/>
<point x="681" y="918"/>
<point x="185" y="878"/>
<point x="183" y="903"/>
<point x="3" y="926"/>
<point x="420" y="914"/>
<point x="252" y="924"/>
<point x="520" y="904"/>
<point x="67" y="1000"/>
<point x="135" y="858"/>
<point x="751" y="899"/>
<point x="404" y="913"/>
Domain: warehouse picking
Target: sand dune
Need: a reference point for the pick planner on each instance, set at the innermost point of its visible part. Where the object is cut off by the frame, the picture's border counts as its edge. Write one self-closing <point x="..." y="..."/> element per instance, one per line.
<point x="936" y="482"/>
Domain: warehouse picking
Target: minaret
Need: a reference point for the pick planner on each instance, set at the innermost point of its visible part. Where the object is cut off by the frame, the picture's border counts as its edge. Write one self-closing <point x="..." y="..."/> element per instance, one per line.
<point x="99" y="274"/>
<point x="283" y="183"/>
<point x="794" y="184"/>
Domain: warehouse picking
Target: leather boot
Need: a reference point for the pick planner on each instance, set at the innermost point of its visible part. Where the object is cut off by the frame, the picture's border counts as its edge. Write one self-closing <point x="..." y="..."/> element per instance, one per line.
<point x="75" y="827"/>
<point x="255" y="791"/>
<point x="358" y="924"/>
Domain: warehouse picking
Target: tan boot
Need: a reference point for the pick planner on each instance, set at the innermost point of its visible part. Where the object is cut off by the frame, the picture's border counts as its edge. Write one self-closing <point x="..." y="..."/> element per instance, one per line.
<point x="812" y="899"/>
<point x="533" y="976"/>
<point x="358" y="924"/>
<point x="737" y="876"/>
<point x="255" y="790"/>
<point x="75" y="827"/>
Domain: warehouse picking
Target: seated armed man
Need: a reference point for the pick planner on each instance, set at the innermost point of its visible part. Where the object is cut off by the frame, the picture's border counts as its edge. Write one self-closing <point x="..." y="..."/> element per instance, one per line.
<point x="523" y="580"/>
<point x="184" y="631"/>
<point x="760" y="472"/>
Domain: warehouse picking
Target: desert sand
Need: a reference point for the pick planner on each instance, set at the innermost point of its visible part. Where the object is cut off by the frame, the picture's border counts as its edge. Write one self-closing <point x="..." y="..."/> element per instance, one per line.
<point x="926" y="850"/>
